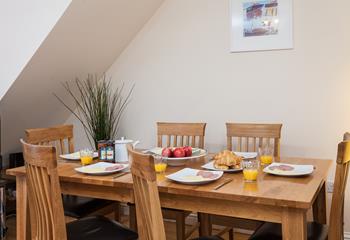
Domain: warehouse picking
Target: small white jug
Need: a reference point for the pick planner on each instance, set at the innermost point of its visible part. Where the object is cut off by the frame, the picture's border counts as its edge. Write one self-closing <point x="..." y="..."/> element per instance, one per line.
<point x="121" y="150"/>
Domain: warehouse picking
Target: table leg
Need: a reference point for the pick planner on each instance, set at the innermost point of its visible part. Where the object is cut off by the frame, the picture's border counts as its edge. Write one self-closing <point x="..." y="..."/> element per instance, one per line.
<point x="22" y="217"/>
<point x="294" y="224"/>
<point x="319" y="207"/>
<point x="132" y="217"/>
<point x="205" y="227"/>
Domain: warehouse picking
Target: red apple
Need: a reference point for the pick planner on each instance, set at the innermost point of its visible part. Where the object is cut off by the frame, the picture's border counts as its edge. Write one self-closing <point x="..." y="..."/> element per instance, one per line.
<point x="179" y="152"/>
<point x="167" y="152"/>
<point x="188" y="151"/>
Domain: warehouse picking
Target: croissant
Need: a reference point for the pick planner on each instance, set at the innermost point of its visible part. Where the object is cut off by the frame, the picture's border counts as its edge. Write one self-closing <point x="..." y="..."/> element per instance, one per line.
<point x="220" y="167"/>
<point x="226" y="159"/>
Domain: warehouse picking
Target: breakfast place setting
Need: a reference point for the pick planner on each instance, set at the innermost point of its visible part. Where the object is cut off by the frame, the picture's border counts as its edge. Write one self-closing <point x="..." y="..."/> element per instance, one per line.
<point x="112" y="157"/>
<point x="239" y="187"/>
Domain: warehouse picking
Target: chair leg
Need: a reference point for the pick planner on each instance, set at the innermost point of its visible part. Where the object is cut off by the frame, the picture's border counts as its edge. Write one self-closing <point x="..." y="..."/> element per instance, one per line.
<point x="231" y="234"/>
<point x="180" y="226"/>
<point x="132" y="217"/>
<point x="205" y="226"/>
<point x="117" y="212"/>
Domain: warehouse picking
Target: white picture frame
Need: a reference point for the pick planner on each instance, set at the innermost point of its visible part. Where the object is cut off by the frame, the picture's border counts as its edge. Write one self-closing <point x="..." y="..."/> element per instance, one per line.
<point x="260" y="25"/>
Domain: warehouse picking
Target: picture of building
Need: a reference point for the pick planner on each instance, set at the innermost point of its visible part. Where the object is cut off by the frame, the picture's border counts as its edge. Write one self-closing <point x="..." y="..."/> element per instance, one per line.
<point x="260" y="18"/>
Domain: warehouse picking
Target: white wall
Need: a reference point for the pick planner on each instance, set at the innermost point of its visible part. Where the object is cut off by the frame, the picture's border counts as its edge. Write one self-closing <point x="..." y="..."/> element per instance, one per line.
<point x="24" y="25"/>
<point x="183" y="71"/>
<point x="87" y="39"/>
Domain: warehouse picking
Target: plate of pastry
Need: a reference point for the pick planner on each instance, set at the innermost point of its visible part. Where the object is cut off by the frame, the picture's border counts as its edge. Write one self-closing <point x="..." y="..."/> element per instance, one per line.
<point x="225" y="161"/>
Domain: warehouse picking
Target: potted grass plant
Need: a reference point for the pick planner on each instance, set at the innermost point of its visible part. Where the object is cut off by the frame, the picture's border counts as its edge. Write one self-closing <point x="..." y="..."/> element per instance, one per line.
<point x="97" y="106"/>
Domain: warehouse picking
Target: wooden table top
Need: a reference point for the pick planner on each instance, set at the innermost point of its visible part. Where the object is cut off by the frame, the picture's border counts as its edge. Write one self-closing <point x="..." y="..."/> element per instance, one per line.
<point x="296" y="192"/>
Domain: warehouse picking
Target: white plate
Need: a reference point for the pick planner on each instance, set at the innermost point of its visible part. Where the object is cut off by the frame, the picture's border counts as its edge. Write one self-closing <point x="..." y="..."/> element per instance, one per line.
<point x="196" y="153"/>
<point x="100" y="168"/>
<point x="75" y="156"/>
<point x="189" y="176"/>
<point x="247" y="155"/>
<point x="210" y="166"/>
<point x="298" y="170"/>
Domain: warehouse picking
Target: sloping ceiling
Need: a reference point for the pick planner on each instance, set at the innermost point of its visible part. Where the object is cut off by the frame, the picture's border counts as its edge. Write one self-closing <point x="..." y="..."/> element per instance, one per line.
<point x="24" y="26"/>
<point x="87" y="39"/>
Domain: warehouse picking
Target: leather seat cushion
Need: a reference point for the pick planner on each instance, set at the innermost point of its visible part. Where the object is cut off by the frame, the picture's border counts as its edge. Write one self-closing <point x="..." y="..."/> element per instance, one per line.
<point x="273" y="231"/>
<point x="78" y="207"/>
<point x="98" y="227"/>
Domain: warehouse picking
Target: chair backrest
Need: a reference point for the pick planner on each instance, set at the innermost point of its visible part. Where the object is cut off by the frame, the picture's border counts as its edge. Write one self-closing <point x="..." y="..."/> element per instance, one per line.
<point x="60" y="137"/>
<point x="180" y="134"/>
<point x="247" y="137"/>
<point x="44" y="193"/>
<point x="148" y="210"/>
<point x="336" y="222"/>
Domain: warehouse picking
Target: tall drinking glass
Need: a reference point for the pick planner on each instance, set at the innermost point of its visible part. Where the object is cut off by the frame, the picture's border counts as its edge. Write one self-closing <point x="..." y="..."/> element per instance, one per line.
<point x="160" y="163"/>
<point x="86" y="156"/>
<point x="250" y="169"/>
<point x="266" y="155"/>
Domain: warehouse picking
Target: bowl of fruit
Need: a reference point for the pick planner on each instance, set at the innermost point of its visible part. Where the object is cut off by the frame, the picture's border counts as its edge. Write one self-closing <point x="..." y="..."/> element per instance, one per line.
<point x="178" y="156"/>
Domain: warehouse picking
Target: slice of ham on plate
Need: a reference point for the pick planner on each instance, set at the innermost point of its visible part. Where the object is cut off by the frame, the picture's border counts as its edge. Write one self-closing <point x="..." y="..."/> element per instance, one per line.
<point x="207" y="174"/>
<point x="281" y="167"/>
<point x="289" y="170"/>
<point x="101" y="168"/>
<point x="195" y="176"/>
<point x="114" y="167"/>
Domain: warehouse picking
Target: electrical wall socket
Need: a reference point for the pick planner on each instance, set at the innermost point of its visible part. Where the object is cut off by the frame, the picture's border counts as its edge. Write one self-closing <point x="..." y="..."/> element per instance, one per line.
<point x="330" y="186"/>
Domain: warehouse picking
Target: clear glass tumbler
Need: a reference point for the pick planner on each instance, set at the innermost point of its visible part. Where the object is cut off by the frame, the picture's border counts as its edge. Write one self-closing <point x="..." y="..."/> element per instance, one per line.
<point x="266" y="155"/>
<point x="160" y="163"/>
<point x="86" y="156"/>
<point x="250" y="169"/>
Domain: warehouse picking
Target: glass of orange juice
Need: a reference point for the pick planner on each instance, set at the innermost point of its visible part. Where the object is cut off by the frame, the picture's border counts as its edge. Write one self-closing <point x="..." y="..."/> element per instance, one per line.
<point x="160" y="164"/>
<point x="86" y="156"/>
<point x="266" y="155"/>
<point x="250" y="169"/>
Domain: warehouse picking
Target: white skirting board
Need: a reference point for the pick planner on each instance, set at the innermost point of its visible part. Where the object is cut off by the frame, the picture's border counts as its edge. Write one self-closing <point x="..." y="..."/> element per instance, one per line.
<point x="346" y="235"/>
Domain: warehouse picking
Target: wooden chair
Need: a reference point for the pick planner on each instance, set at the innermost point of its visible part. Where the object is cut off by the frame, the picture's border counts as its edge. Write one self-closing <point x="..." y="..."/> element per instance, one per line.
<point x="46" y="208"/>
<point x="148" y="208"/>
<point x="317" y="231"/>
<point x="62" y="138"/>
<point x="248" y="137"/>
<point x="177" y="135"/>
<point x="180" y="134"/>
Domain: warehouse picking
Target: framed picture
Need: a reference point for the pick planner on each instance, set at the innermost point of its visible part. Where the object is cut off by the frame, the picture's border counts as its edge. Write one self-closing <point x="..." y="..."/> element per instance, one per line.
<point x="258" y="25"/>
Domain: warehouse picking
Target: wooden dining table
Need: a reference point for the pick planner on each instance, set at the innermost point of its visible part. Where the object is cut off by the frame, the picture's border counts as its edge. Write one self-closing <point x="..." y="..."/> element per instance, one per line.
<point x="284" y="200"/>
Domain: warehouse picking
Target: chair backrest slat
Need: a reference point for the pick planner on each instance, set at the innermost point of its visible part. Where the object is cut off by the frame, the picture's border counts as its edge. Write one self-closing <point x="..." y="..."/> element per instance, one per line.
<point x="148" y="209"/>
<point x="180" y="134"/>
<point x="60" y="137"/>
<point x="239" y="135"/>
<point x="44" y="193"/>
